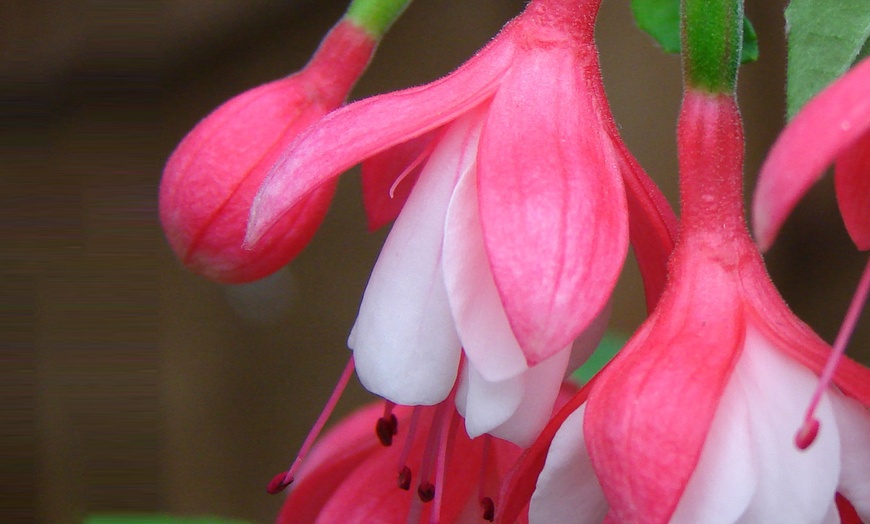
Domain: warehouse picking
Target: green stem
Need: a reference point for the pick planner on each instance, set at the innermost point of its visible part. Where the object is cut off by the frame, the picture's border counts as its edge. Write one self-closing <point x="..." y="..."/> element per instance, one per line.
<point x="375" y="16"/>
<point x="712" y="41"/>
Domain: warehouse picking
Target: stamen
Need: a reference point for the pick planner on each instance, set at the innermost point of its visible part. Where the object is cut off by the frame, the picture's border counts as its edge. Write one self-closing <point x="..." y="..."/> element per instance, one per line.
<point x="488" y="509"/>
<point x="404" y="480"/>
<point x="810" y="427"/>
<point x="388" y="425"/>
<point x="426" y="489"/>
<point x="446" y="444"/>
<point x="486" y="502"/>
<point x="282" y="480"/>
<point x="412" y="166"/>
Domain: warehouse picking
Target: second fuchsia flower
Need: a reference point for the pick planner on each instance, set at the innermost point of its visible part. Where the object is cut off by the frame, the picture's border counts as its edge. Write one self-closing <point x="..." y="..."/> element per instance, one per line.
<point x="694" y="420"/>
<point x="514" y="234"/>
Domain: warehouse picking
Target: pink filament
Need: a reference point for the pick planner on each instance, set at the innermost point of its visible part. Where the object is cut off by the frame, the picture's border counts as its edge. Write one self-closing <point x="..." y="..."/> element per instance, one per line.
<point x="275" y="486"/>
<point x="430" y="453"/>
<point x="810" y="427"/>
<point x="441" y="467"/>
<point x="404" y="470"/>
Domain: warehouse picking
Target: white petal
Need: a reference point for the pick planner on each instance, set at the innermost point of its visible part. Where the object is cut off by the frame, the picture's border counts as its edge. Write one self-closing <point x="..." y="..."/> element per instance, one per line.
<point x="404" y="341"/>
<point x="750" y="471"/>
<point x="723" y="482"/>
<point x="488" y="405"/>
<point x="853" y="421"/>
<point x="792" y="485"/>
<point x="480" y="319"/>
<point x="567" y="489"/>
<point x="540" y="389"/>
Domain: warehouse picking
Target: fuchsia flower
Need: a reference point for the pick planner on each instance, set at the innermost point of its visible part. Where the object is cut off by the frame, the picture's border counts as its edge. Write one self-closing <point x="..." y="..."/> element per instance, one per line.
<point x="834" y="127"/>
<point x="514" y="234"/>
<point x="694" y="419"/>
<point x="210" y="180"/>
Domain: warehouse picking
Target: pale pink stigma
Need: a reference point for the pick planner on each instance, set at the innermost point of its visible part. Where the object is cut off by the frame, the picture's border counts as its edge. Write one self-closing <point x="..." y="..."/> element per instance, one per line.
<point x="810" y="427"/>
<point x="282" y="480"/>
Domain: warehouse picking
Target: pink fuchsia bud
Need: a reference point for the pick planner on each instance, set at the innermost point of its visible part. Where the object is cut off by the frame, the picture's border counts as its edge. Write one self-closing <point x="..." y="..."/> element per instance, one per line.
<point x="834" y="127"/>
<point x="211" y="178"/>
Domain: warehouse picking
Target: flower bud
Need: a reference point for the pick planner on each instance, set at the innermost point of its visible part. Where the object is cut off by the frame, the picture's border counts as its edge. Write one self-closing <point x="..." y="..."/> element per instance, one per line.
<point x="211" y="178"/>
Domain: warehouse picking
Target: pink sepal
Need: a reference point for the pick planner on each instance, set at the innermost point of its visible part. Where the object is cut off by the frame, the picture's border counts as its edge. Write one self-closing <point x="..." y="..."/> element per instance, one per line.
<point x="852" y="182"/>
<point x="552" y="204"/>
<point x="690" y="342"/>
<point x="832" y="122"/>
<point x="353" y="133"/>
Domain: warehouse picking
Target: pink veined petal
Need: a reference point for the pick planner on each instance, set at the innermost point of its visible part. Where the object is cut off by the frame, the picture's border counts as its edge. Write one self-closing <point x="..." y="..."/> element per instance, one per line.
<point x="567" y="489"/>
<point x="404" y="341"/>
<point x="792" y="485"/>
<point x="853" y="421"/>
<point x="360" y="130"/>
<point x="552" y="204"/>
<point x="645" y="437"/>
<point x="830" y="122"/>
<point x="342" y="449"/>
<point x="483" y="328"/>
<point x="852" y="182"/>
<point x="387" y="178"/>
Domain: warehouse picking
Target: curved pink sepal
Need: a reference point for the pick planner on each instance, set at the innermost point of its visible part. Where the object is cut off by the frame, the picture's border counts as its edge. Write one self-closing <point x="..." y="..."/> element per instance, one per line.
<point x="360" y="130"/>
<point x="829" y="124"/>
<point x="852" y="182"/>
<point x="552" y="204"/>
<point x="690" y="342"/>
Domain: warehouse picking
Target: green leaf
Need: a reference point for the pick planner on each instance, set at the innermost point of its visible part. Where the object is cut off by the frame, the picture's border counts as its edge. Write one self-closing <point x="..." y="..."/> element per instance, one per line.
<point x="606" y="350"/>
<point x="824" y="39"/>
<point x="661" y="20"/>
<point x="139" y="518"/>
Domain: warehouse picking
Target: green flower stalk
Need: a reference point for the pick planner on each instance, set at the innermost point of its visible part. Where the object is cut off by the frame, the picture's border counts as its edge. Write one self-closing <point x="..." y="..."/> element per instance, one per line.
<point x="712" y="42"/>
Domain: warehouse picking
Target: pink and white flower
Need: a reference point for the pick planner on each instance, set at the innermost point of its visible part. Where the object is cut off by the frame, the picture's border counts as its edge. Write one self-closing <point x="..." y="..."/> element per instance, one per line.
<point x="510" y="243"/>
<point x="694" y="420"/>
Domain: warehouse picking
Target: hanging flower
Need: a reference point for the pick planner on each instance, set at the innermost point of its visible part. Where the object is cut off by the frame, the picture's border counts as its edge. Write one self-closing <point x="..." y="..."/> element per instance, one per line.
<point x="514" y="234"/>
<point x="833" y="127"/>
<point x="694" y="420"/>
<point x="211" y="178"/>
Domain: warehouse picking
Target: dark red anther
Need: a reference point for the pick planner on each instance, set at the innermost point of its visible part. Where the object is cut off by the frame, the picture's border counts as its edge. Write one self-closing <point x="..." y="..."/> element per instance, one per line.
<point x="386" y="428"/>
<point x="426" y="491"/>
<point x="807" y="434"/>
<point x="405" y="478"/>
<point x="278" y="483"/>
<point x="488" y="508"/>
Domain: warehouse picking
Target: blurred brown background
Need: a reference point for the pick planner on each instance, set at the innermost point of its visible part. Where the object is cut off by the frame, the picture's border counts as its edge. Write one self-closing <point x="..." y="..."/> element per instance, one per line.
<point x="131" y="385"/>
